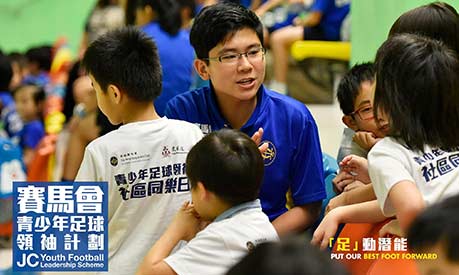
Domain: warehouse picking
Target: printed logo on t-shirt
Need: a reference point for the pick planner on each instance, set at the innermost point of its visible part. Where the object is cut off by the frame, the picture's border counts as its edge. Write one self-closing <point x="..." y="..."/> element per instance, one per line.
<point x="436" y="163"/>
<point x="270" y="154"/>
<point x="114" y="161"/>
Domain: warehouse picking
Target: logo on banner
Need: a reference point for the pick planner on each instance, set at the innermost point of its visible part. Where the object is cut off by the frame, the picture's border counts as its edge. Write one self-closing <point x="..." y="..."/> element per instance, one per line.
<point x="60" y="226"/>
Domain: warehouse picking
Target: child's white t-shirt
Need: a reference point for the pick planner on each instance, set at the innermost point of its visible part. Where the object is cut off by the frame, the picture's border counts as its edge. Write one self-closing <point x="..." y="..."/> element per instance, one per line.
<point x="224" y="242"/>
<point x="435" y="172"/>
<point x="144" y="164"/>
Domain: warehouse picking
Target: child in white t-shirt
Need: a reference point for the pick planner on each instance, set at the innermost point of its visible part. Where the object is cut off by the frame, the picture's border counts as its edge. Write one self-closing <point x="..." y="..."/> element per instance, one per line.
<point x="225" y="170"/>
<point x="144" y="160"/>
<point x="417" y="164"/>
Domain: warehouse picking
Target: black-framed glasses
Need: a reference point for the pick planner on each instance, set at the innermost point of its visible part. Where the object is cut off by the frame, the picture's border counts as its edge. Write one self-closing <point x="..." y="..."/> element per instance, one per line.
<point x="253" y="55"/>
<point x="365" y="112"/>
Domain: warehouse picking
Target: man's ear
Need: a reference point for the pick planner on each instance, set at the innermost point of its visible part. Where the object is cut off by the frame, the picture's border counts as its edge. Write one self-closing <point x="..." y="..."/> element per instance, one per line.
<point x="114" y="93"/>
<point x="202" y="69"/>
<point x="350" y="122"/>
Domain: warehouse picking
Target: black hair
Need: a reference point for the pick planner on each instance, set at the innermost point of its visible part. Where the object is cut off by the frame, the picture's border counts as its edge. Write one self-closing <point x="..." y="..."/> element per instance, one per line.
<point x="41" y="55"/>
<point x="219" y="22"/>
<point x="229" y="164"/>
<point x="439" y="223"/>
<point x="168" y="12"/>
<point x="190" y="4"/>
<point x="38" y="93"/>
<point x="6" y="73"/>
<point x="418" y="89"/>
<point x="128" y="59"/>
<point x="293" y="256"/>
<point x="349" y="86"/>
<point x="436" y="20"/>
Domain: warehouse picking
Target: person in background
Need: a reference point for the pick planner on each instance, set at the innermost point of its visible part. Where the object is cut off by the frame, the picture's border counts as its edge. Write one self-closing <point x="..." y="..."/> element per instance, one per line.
<point x="162" y="21"/>
<point x="323" y="22"/>
<point x="30" y="102"/>
<point x="10" y="122"/>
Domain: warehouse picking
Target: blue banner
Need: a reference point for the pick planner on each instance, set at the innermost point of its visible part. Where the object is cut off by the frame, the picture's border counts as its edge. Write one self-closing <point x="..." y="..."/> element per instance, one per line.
<point x="60" y="226"/>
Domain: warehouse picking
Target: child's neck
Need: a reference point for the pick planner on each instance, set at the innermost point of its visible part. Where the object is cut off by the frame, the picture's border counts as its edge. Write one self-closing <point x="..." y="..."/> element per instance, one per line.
<point x="139" y="111"/>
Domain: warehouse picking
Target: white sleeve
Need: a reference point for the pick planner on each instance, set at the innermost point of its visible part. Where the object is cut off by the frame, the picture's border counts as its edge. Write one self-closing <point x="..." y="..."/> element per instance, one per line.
<point x="207" y="253"/>
<point x="387" y="166"/>
<point x="88" y="169"/>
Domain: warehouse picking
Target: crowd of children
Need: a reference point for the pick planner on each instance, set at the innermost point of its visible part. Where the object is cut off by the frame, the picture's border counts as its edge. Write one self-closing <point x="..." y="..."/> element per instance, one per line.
<point x="241" y="147"/>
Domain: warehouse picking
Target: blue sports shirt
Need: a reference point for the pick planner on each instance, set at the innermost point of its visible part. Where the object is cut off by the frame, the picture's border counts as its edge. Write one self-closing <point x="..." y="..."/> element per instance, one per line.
<point x="293" y="160"/>
<point x="333" y="14"/>
<point x="176" y="57"/>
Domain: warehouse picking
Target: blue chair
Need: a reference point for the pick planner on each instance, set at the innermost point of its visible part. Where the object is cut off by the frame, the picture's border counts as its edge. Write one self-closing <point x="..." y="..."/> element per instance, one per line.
<point x="331" y="167"/>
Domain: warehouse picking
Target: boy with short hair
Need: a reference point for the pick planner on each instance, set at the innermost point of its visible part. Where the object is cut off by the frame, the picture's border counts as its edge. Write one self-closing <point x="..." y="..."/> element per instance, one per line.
<point x="144" y="160"/>
<point x="225" y="170"/>
<point x="228" y="41"/>
<point x="355" y="96"/>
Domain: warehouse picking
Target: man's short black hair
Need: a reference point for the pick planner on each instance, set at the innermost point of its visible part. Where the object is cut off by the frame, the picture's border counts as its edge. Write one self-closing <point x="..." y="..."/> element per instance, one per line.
<point x="6" y="73"/>
<point x="128" y="59"/>
<point x="438" y="224"/>
<point x="216" y="23"/>
<point x="349" y="86"/>
<point x="229" y="164"/>
<point x="417" y="88"/>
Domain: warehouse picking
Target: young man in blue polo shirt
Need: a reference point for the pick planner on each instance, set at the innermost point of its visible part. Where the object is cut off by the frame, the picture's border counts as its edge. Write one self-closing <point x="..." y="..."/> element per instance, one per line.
<point x="228" y="41"/>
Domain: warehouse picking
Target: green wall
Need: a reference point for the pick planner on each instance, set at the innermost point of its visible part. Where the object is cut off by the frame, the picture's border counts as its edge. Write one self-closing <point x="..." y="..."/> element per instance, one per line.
<point x="371" y="22"/>
<point x="27" y="23"/>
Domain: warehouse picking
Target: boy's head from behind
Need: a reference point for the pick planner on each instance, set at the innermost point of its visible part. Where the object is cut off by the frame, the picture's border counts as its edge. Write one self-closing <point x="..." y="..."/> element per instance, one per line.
<point x="417" y="91"/>
<point x="436" y="231"/>
<point x="29" y="100"/>
<point x="39" y="59"/>
<point x="124" y="61"/>
<point x="436" y="20"/>
<point x="355" y="96"/>
<point x="228" y="164"/>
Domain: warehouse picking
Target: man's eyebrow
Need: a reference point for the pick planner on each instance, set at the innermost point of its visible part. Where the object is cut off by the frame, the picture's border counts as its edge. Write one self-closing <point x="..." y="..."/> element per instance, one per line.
<point x="225" y="50"/>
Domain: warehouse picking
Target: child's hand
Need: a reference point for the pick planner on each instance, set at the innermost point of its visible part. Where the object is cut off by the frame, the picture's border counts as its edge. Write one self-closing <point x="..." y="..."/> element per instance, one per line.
<point x="340" y="200"/>
<point x="187" y="222"/>
<point x="366" y="140"/>
<point x="353" y="185"/>
<point x="326" y="229"/>
<point x="391" y="228"/>
<point x="356" y="166"/>
<point x="342" y="180"/>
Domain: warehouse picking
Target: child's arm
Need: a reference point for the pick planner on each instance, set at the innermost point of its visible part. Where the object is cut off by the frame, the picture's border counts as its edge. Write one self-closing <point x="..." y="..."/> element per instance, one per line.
<point x="357" y="195"/>
<point x="366" y="212"/>
<point x="297" y="218"/>
<point x="185" y="226"/>
<point x="407" y="202"/>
